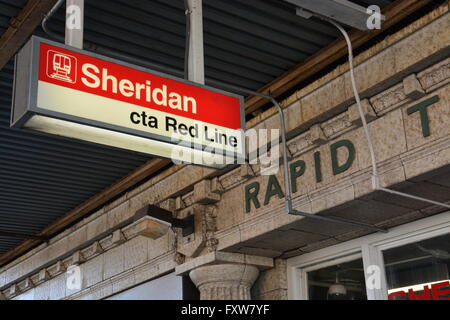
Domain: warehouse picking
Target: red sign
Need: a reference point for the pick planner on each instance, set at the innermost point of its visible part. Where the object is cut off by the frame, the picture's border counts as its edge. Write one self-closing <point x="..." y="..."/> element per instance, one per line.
<point x="81" y="95"/>
<point x="99" y="77"/>
<point x="438" y="291"/>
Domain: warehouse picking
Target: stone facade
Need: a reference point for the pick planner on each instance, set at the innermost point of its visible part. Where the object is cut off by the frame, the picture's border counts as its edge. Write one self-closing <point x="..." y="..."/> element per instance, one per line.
<point x="247" y="243"/>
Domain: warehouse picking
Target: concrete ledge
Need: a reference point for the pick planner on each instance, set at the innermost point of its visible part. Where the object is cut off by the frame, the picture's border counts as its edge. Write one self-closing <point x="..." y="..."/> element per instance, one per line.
<point x="218" y="257"/>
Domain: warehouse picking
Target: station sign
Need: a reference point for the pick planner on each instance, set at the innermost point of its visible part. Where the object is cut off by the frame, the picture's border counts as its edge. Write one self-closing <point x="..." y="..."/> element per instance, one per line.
<point x="78" y="94"/>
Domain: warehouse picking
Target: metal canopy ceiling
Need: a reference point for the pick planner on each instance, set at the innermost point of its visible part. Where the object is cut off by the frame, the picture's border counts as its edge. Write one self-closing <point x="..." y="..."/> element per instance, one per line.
<point x="248" y="43"/>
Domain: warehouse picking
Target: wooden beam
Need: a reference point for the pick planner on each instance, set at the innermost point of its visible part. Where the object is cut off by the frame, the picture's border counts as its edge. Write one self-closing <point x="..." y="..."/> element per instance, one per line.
<point x="19" y="235"/>
<point x="136" y="176"/>
<point x="394" y="13"/>
<point x="21" y="28"/>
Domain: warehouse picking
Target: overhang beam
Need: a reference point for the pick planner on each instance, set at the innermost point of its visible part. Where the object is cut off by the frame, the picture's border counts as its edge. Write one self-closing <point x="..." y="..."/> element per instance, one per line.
<point x="18" y="235"/>
<point x="21" y="28"/>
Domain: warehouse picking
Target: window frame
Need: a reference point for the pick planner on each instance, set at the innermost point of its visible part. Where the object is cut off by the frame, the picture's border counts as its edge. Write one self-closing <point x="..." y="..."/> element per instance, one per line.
<point x="370" y="248"/>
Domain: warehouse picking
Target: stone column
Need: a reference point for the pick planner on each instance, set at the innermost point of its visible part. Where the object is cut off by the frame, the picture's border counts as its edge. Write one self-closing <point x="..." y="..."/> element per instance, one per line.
<point x="225" y="281"/>
<point x="223" y="275"/>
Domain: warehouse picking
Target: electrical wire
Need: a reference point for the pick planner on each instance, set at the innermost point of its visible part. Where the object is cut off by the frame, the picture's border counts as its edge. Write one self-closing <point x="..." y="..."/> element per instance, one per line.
<point x="48" y="17"/>
<point x="358" y="102"/>
<point x="375" y="176"/>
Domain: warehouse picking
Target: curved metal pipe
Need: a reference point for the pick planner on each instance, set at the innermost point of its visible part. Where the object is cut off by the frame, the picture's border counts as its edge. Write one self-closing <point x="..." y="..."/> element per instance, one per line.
<point x="375" y="174"/>
<point x="48" y="17"/>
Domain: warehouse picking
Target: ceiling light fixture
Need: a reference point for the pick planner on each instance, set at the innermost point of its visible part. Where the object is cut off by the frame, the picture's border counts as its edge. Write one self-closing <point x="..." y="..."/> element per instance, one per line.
<point x="154" y="222"/>
<point x="343" y="11"/>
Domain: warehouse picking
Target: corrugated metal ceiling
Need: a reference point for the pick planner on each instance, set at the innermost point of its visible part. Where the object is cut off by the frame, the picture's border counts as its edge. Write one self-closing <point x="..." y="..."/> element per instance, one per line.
<point x="248" y="43"/>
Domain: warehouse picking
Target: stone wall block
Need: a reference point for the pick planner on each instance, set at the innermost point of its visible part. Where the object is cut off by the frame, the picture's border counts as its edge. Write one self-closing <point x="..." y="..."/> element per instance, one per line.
<point x="136" y="252"/>
<point x="272" y="279"/>
<point x="114" y="262"/>
<point x="57" y="287"/>
<point x="388" y="138"/>
<point x="434" y="40"/>
<point x="92" y="271"/>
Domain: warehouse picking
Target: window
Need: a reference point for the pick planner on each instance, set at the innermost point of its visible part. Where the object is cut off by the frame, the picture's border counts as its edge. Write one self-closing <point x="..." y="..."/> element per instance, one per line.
<point x="344" y="281"/>
<point x="411" y="261"/>
<point x="419" y="270"/>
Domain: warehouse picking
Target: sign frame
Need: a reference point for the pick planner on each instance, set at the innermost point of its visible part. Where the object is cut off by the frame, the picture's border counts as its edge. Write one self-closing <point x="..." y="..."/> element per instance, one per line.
<point x="26" y="79"/>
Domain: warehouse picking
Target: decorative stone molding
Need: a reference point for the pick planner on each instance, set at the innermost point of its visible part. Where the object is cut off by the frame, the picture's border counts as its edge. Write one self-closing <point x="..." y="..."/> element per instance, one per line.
<point x="77" y="258"/>
<point x="317" y="135"/>
<point x="27" y="284"/>
<point x="435" y="77"/>
<point x="92" y="251"/>
<point x="130" y="278"/>
<point x="179" y="204"/>
<point x="43" y="275"/>
<point x="369" y="113"/>
<point x="220" y="257"/>
<point x="203" y="193"/>
<point x="336" y="125"/>
<point x="234" y="178"/>
<point x="13" y="291"/>
<point x="188" y="199"/>
<point x="246" y="171"/>
<point x="307" y="141"/>
<point x="56" y="269"/>
<point x="413" y="88"/>
<point x="390" y="99"/>
<point x="204" y="236"/>
<point x="216" y="186"/>
<point x="179" y="258"/>
<point x="117" y="238"/>
<point x="300" y="144"/>
<point x="224" y="275"/>
<point x="209" y="228"/>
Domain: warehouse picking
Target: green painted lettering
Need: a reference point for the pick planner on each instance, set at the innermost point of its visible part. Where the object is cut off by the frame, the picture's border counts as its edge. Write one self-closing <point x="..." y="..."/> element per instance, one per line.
<point x="334" y="156"/>
<point x="251" y="195"/>
<point x="422" y="109"/>
<point x="318" y="166"/>
<point x="273" y="188"/>
<point x="297" y="170"/>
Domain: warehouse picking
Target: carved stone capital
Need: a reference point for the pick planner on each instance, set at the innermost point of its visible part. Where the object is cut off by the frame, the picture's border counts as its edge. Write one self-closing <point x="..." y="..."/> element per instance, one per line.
<point x="224" y="275"/>
<point x="224" y="281"/>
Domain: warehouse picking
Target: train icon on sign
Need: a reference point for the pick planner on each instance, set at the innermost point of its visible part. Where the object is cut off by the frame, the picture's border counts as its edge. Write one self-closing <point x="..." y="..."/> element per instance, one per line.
<point x="61" y="66"/>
